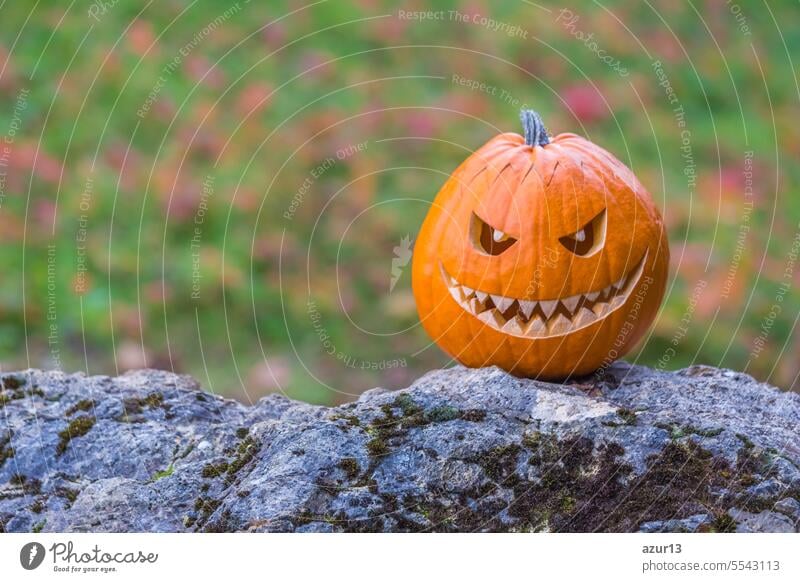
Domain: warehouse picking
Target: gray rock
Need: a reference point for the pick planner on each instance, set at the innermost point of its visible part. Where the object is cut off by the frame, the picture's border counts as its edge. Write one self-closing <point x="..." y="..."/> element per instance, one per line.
<point x="769" y="489"/>
<point x="765" y="521"/>
<point x="632" y="449"/>
<point x="789" y="507"/>
<point x="688" y="525"/>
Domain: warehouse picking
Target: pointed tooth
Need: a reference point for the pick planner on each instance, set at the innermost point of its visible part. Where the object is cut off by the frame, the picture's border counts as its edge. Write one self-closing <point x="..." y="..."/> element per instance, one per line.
<point x="490" y="318"/>
<point x="536" y="327"/>
<point x="474" y="305"/>
<point x="571" y="302"/>
<point x="617" y="301"/>
<point x="468" y="292"/>
<point x="548" y="307"/>
<point x="627" y="281"/>
<point x="585" y="317"/>
<point x="502" y="303"/>
<point x="593" y="295"/>
<point x="448" y="278"/>
<point x="456" y="293"/>
<point x="513" y="326"/>
<point x="560" y="324"/>
<point x="600" y="309"/>
<point x="486" y="317"/>
<point x="526" y="307"/>
<point x="481" y="296"/>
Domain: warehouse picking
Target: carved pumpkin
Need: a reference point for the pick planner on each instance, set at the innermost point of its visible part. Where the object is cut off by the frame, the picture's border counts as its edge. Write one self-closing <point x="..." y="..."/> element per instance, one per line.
<point x="543" y="256"/>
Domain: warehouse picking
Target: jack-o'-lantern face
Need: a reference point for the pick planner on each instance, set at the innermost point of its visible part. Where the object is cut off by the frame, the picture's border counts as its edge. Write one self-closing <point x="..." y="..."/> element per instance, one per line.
<point x="546" y="258"/>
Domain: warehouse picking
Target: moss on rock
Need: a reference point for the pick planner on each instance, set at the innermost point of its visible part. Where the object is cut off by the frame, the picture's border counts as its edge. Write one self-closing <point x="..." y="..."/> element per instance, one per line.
<point x="76" y="428"/>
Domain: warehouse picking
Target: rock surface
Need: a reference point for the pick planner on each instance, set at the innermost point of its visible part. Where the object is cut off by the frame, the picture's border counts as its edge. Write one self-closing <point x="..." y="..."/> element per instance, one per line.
<point x="702" y="449"/>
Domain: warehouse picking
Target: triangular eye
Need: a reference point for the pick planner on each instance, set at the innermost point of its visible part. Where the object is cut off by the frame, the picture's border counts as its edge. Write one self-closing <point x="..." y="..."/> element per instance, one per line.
<point x="589" y="239"/>
<point x="489" y="239"/>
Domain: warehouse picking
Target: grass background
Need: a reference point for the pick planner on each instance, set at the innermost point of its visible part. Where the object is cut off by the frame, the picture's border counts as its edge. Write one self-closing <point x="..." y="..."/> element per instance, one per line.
<point x="124" y="123"/>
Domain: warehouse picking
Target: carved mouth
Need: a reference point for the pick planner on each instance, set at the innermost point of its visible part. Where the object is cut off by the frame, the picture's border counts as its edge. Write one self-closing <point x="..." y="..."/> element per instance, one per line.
<point x="544" y="318"/>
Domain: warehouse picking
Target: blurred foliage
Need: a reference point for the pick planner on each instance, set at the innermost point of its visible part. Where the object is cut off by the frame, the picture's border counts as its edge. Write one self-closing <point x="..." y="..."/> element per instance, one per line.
<point x="152" y="144"/>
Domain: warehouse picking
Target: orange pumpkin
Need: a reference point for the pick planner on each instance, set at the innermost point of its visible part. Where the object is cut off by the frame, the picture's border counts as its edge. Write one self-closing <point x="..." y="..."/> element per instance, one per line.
<point x="543" y="256"/>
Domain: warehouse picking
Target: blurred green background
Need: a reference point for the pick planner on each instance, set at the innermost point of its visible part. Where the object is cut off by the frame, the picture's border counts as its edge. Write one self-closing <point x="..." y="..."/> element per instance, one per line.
<point x="224" y="189"/>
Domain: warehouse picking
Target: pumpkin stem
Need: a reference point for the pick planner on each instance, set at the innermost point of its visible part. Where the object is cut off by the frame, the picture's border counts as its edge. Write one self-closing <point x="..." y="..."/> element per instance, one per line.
<point x="535" y="132"/>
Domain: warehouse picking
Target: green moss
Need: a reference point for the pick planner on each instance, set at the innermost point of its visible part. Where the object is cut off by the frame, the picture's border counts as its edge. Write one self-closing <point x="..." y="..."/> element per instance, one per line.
<point x="708" y="432"/>
<point x="37" y="506"/>
<point x="745" y="441"/>
<point x="76" y="428"/>
<point x="82" y="406"/>
<point x="351" y="420"/>
<point x="213" y="470"/>
<point x="223" y="524"/>
<point x="391" y="426"/>
<point x="377" y="447"/>
<point x="245" y="453"/>
<point x="12" y="382"/>
<point x="13" y="388"/>
<point x="38" y="526"/>
<point x="242" y="432"/>
<point x="752" y="461"/>
<point x="473" y="415"/>
<point x="443" y="414"/>
<point x="136" y="406"/>
<point x="677" y="431"/>
<point x="29" y="485"/>
<point x="672" y="428"/>
<point x="304" y="517"/>
<point x="545" y="448"/>
<point x="567" y="504"/>
<point x="407" y="405"/>
<point x="332" y="488"/>
<point x="205" y="506"/>
<point x="723" y="523"/>
<point x="153" y="400"/>
<point x="500" y="462"/>
<point x="350" y="467"/>
<point x="531" y="440"/>
<point x="627" y="415"/>
<point x="6" y="452"/>
<point x="67" y="493"/>
<point x="165" y="473"/>
<point x="747" y="480"/>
